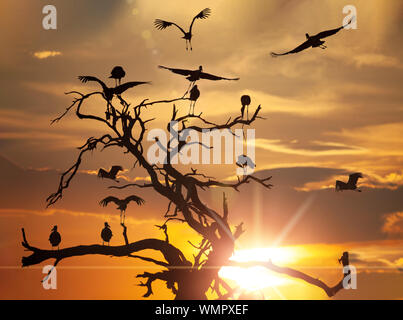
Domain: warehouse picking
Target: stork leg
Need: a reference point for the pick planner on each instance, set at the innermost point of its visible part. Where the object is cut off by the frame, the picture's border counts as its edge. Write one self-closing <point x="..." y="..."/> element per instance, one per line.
<point x="190" y="43"/>
<point x="190" y="108"/>
<point x="188" y="89"/>
<point x="194" y="104"/>
<point x="247" y="112"/>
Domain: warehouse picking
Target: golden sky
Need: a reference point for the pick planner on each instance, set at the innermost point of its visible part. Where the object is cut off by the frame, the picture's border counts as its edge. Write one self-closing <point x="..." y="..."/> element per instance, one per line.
<point x="328" y="113"/>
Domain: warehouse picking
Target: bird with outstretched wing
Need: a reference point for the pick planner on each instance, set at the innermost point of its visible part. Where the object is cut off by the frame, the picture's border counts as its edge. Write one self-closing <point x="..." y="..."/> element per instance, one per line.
<point x="109" y="92"/>
<point x="163" y="24"/>
<point x="194" y="75"/>
<point x="313" y="41"/>
<point x="122" y="204"/>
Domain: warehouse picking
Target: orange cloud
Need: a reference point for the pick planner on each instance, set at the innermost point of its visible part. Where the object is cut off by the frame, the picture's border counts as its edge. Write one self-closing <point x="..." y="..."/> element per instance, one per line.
<point x="393" y="224"/>
<point x="46" y="54"/>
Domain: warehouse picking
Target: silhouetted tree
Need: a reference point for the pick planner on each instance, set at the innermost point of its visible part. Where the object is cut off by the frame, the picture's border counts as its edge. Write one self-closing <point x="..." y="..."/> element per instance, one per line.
<point x="186" y="278"/>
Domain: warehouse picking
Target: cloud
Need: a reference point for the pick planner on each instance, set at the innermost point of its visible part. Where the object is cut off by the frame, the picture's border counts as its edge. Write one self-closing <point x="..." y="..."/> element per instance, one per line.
<point x="393" y="224"/>
<point x="46" y="54"/>
<point x="328" y="148"/>
<point x="376" y="60"/>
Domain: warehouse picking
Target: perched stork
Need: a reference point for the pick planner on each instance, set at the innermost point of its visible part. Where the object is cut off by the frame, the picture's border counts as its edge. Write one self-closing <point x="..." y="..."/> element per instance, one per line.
<point x="245" y="101"/>
<point x="194" y="95"/>
<point x="55" y="238"/>
<point x="106" y="233"/>
<point x="117" y="73"/>
<point x="162" y="24"/>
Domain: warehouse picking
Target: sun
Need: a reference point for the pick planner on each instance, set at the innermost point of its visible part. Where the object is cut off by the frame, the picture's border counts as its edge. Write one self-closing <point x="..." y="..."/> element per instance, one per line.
<point x="257" y="278"/>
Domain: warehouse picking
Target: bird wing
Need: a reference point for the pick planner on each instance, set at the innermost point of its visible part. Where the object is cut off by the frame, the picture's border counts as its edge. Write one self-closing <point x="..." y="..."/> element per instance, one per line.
<point x="85" y="79"/>
<point x="331" y="32"/>
<point x="115" y="170"/>
<point x="136" y="199"/>
<point x="204" y="14"/>
<point x="162" y="24"/>
<point x="301" y="47"/>
<point x="208" y="76"/>
<point x="182" y="72"/>
<point x="102" y="173"/>
<point x="123" y="87"/>
<point x="327" y="33"/>
<point x="353" y="178"/>
<point x="105" y="201"/>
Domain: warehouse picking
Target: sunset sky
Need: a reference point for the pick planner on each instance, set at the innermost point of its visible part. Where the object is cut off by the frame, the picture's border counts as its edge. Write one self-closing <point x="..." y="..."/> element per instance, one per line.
<point x="328" y="113"/>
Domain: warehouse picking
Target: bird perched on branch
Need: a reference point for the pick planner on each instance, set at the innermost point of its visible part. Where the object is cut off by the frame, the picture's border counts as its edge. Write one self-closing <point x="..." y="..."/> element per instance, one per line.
<point x="109" y="92"/>
<point x="106" y="233"/>
<point x="117" y="73"/>
<point x="122" y="204"/>
<point x="351" y="183"/>
<point x="162" y="24"/>
<point x="245" y="101"/>
<point x="55" y="238"/>
<point x="102" y="173"/>
<point x="313" y="41"/>
<point x="194" y="75"/>
<point x="194" y="95"/>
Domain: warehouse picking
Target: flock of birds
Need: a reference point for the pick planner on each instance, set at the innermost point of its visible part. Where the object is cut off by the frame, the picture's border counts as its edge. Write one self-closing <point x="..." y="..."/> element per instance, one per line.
<point x="106" y="233"/>
<point x="192" y="76"/>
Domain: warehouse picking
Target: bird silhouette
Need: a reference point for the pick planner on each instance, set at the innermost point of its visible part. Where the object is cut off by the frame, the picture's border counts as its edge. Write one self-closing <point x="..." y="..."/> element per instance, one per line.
<point x="117" y="73"/>
<point x="313" y="41"/>
<point x="344" y="259"/>
<point x="162" y="24"/>
<point x="106" y="233"/>
<point x="194" y="95"/>
<point x="194" y="75"/>
<point x="122" y="204"/>
<point x="351" y="184"/>
<point x="111" y="174"/>
<point x="109" y="92"/>
<point x="245" y="101"/>
<point x="55" y="238"/>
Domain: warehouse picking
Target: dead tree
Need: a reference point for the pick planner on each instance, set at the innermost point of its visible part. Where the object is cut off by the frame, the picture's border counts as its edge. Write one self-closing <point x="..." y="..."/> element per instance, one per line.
<point x="188" y="279"/>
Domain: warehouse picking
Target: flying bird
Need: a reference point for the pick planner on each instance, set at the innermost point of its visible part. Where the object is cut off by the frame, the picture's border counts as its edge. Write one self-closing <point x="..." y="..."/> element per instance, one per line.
<point x="162" y="24"/>
<point x="351" y="184"/>
<point x="106" y="233"/>
<point x="194" y="75"/>
<point x="313" y="41"/>
<point x="245" y="101"/>
<point x="194" y="95"/>
<point x="122" y="204"/>
<point x="117" y="73"/>
<point x="55" y="238"/>
<point x="102" y="173"/>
